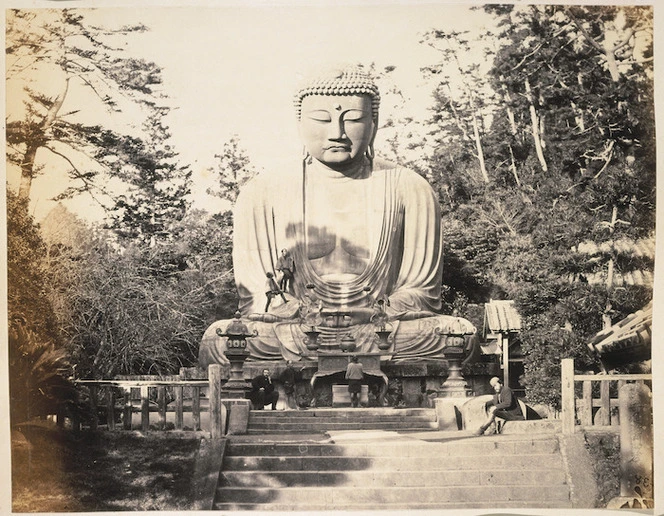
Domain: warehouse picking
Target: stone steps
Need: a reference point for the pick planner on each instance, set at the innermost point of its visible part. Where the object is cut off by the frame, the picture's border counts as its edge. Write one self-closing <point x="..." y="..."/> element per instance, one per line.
<point x="467" y="447"/>
<point x="381" y="478"/>
<point x="310" y="507"/>
<point x="323" y="426"/>
<point x="431" y="463"/>
<point x="332" y="413"/>
<point x="323" y="420"/>
<point x="333" y="495"/>
<point x="400" y="473"/>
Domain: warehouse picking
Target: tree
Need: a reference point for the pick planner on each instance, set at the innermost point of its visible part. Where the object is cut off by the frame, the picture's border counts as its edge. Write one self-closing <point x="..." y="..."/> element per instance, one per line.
<point x="461" y="96"/>
<point x="39" y="382"/>
<point x="38" y="363"/>
<point x="77" y="58"/>
<point x="158" y="185"/>
<point x="233" y="170"/>
<point x="27" y="272"/>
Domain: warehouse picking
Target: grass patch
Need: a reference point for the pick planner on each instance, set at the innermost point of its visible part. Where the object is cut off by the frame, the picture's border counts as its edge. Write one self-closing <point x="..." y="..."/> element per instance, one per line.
<point x="57" y="471"/>
<point x="604" y="451"/>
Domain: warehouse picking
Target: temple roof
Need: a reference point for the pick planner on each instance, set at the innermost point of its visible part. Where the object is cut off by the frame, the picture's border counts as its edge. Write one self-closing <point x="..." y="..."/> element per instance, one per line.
<point x="627" y="341"/>
<point x="501" y="317"/>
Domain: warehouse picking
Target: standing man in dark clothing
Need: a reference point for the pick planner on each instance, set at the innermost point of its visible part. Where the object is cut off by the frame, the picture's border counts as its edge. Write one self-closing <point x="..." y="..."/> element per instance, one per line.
<point x="503" y="405"/>
<point x="263" y="392"/>
<point x="354" y="375"/>
<point x="286" y="265"/>
<point x="288" y="377"/>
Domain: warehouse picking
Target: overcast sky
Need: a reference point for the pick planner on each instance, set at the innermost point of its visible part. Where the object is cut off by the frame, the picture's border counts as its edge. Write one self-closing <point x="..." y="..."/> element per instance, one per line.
<point x="233" y="70"/>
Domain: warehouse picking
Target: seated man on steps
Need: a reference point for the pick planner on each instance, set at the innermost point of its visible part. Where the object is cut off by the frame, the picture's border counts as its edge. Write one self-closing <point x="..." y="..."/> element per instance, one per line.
<point x="504" y="405"/>
<point x="263" y="391"/>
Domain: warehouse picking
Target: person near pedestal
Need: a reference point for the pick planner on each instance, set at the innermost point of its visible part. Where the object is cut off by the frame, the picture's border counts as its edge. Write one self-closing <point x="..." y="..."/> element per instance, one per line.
<point x="504" y="405"/>
<point x="272" y="290"/>
<point x="263" y="391"/>
<point x="288" y="377"/>
<point x="286" y="266"/>
<point x="355" y="376"/>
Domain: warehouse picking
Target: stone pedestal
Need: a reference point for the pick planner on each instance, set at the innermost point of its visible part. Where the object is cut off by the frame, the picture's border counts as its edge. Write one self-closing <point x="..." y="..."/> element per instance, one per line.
<point x="236" y="387"/>
<point x="448" y="411"/>
<point x="455" y="386"/>
<point x="238" y="416"/>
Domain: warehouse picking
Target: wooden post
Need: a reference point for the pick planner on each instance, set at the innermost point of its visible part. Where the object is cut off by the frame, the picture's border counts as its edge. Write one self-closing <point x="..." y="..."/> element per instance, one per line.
<point x="179" y="417"/>
<point x="216" y="407"/>
<point x="161" y="403"/>
<point x="128" y="409"/>
<point x="587" y="413"/>
<point x="110" y="408"/>
<point x="93" y="407"/>
<point x="145" y="409"/>
<point x="605" y="401"/>
<point x="196" y="407"/>
<point x="505" y="344"/>
<point x="567" y="394"/>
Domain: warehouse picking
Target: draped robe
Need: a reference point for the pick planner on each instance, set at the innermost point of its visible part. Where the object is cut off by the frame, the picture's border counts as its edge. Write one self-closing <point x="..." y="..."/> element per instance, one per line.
<point x="400" y="257"/>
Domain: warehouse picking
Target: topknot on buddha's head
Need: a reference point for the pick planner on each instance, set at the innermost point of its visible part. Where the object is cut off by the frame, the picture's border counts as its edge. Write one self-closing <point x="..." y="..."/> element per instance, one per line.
<point x="340" y="80"/>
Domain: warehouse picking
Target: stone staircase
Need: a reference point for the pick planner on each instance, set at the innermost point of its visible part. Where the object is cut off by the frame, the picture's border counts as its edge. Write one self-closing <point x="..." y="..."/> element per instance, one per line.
<point x="327" y="419"/>
<point x="374" y="470"/>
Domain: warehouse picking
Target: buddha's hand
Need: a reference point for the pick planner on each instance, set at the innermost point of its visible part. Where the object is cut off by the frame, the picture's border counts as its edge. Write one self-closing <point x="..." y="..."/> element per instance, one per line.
<point x="344" y="318"/>
<point x="266" y="317"/>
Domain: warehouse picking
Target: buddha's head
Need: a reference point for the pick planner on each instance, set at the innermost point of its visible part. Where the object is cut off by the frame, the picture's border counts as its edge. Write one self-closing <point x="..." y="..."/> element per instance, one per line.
<point x="338" y="116"/>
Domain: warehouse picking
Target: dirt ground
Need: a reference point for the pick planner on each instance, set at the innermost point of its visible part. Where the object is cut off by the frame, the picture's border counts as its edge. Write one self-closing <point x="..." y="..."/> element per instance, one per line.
<point x="56" y="471"/>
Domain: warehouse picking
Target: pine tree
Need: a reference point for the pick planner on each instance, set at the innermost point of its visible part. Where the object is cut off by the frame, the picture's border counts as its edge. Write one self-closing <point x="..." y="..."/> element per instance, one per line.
<point x="63" y="73"/>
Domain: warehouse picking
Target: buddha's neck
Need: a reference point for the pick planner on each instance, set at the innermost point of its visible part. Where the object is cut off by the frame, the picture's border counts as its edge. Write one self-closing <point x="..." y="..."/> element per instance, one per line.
<point x="359" y="170"/>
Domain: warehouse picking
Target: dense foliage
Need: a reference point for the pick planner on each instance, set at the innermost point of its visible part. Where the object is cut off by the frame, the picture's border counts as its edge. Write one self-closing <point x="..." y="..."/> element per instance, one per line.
<point x="552" y="148"/>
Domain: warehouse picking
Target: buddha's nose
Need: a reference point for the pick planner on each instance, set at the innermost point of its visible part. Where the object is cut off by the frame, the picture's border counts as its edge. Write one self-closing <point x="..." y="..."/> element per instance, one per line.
<point x="337" y="130"/>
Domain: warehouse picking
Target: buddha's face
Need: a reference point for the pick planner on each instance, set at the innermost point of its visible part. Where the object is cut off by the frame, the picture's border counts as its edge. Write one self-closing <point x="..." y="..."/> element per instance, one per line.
<point x="337" y="130"/>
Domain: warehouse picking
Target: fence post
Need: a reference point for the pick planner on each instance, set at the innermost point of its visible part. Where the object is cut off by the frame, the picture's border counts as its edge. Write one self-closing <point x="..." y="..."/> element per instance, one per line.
<point x="145" y="409"/>
<point x="567" y="393"/>
<point x="179" y="408"/>
<point x="217" y="418"/>
<point x="110" y="408"/>
<point x="93" y="407"/>
<point x="196" y="407"/>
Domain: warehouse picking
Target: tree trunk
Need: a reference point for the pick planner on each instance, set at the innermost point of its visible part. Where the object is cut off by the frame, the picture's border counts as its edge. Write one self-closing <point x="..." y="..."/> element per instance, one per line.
<point x="535" y="128"/>
<point x="510" y="112"/>
<point x="480" y="152"/>
<point x="513" y="167"/>
<point x="27" y="170"/>
<point x="28" y="162"/>
<point x="611" y="63"/>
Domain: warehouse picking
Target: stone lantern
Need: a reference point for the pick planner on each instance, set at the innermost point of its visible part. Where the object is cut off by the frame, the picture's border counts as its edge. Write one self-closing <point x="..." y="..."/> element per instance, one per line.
<point x="236" y="334"/>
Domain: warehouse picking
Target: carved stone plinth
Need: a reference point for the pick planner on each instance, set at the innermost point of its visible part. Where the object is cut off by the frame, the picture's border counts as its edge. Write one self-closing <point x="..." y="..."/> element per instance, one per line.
<point x="455" y="386"/>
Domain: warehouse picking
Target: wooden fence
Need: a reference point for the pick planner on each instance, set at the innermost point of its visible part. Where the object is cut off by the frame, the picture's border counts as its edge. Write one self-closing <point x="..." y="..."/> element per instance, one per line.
<point x="598" y="391"/>
<point x="113" y="403"/>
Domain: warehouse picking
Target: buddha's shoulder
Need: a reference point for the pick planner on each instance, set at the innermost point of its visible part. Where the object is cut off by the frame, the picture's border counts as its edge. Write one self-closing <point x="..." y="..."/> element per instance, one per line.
<point x="272" y="182"/>
<point x="403" y="175"/>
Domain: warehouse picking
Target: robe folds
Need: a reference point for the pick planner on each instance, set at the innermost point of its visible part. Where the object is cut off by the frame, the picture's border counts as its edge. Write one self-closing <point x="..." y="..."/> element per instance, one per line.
<point x="394" y="214"/>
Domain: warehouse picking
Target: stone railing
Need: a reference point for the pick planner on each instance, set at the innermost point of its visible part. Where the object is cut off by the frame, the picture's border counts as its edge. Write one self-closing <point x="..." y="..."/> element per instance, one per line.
<point x="599" y="403"/>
